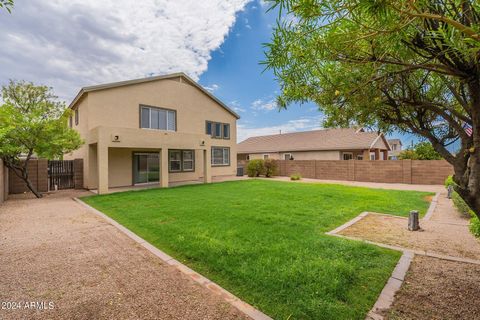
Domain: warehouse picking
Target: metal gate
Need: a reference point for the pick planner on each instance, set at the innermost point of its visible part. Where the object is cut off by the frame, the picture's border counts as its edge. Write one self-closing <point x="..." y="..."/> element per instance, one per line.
<point x="60" y="174"/>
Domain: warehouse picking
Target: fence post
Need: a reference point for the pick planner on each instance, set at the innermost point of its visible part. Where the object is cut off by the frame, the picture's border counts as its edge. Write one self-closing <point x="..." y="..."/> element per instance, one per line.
<point x="78" y="173"/>
<point x="407" y="171"/>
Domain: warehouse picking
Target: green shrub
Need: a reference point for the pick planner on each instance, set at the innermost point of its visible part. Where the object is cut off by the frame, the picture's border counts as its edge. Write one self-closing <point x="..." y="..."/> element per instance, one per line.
<point x="255" y="168"/>
<point x="295" y="176"/>
<point x="270" y="168"/>
<point x="449" y="182"/>
<point x="461" y="205"/>
<point x="464" y="209"/>
<point x="475" y="226"/>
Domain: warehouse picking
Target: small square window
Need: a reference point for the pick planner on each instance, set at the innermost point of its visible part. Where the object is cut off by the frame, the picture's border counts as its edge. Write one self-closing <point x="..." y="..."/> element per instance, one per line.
<point x="76" y="117"/>
<point x="226" y="131"/>
<point x="208" y="128"/>
<point x="218" y="130"/>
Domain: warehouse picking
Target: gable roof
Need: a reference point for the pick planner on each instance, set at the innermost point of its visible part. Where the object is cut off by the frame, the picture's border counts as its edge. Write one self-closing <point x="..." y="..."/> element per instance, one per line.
<point x="181" y="75"/>
<point x="315" y="140"/>
<point x="395" y="141"/>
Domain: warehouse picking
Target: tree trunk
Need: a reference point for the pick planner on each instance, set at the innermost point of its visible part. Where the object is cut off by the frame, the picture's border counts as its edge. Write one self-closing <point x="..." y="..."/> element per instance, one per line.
<point x="31" y="187"/>
<point x="22" y="173"/>
<point x="467" y="177"/>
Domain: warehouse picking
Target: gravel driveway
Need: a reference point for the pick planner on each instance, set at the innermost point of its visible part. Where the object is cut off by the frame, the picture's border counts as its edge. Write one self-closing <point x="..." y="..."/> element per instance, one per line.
<point x="59" y="261"/>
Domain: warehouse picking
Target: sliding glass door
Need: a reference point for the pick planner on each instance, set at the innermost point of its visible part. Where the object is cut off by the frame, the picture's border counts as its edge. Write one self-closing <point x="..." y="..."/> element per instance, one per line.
<point x="146" y="168"/>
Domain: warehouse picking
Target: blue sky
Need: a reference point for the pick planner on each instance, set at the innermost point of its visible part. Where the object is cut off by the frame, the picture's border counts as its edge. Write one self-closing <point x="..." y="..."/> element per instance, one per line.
<point x="69" y="44"/>
<point x="236" y="77"/>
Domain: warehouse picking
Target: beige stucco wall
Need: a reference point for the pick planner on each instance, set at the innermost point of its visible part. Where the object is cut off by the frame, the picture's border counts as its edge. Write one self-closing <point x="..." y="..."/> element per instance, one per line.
<point x="300" y="155"/>
<point x="120" y="163"/>
<point x="119" y="108"/>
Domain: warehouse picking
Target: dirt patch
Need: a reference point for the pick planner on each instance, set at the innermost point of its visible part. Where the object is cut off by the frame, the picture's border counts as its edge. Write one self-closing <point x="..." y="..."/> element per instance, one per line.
<point x="53" y="250"/>
<point x="436" y="237"/>
<point x="428" y="198"/>
<point x="438" y="289"/>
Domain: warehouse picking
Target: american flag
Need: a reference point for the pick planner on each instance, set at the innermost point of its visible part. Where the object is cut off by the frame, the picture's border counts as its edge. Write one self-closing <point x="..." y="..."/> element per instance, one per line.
<point x="468" y="129"/>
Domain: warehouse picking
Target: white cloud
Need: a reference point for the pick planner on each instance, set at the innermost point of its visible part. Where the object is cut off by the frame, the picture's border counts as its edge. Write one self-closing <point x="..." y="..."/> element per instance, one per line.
<point x="247" y="25"/>
<point x="71" y="43"/>
<point x="266" y="105"/>
<point x="237" y="107"/>
<point x="301" y="124"/>
<point x="214" y="87"/>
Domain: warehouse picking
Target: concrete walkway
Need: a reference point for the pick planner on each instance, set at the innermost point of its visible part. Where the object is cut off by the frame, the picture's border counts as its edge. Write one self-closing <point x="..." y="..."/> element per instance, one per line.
<point x="58" y="257"/>
<point x="375" y="185"/>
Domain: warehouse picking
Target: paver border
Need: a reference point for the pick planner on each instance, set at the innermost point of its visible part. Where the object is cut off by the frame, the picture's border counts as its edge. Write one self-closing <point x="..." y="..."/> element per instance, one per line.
<point x="394" y="283"/>
<point x="432" y="207"/>
<point x="233" y="300"/>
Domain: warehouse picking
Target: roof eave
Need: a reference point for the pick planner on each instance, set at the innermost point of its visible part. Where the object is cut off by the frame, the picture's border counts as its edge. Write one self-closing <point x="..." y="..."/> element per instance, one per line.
<point x="138" y="81"/>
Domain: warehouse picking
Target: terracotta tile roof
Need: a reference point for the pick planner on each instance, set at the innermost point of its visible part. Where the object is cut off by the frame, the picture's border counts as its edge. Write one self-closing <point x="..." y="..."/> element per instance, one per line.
<point x="325" y="139"/>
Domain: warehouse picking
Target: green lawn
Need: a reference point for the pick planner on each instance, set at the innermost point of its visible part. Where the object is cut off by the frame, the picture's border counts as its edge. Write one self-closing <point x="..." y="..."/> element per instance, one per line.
<point x="264" y="241"/>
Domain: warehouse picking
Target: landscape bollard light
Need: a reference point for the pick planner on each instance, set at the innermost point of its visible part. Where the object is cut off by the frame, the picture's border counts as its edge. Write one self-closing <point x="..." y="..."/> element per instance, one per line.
<point x="450" y="191"/>
<point x="413" y="223"/>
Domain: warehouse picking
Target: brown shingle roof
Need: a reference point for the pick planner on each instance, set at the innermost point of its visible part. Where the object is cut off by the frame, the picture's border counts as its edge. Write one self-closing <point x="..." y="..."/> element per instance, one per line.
<point x="326" y="139"/>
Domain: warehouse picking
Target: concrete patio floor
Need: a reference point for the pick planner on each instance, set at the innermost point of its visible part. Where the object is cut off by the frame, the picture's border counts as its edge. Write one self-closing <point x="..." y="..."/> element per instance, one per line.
<point x="55" y="253"/>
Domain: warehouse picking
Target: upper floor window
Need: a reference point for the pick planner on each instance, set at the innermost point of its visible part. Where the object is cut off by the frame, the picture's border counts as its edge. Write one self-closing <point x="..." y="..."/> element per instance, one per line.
<point x="218" y="130"/>
<point x="226" y="131"/>
<point x="76" y="117"/>
<point x="158" y="118"/>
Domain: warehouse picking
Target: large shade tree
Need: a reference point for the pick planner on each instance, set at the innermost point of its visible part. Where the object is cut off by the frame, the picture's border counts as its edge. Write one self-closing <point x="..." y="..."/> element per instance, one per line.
<point x="407" y="65"/>
<point x="6" y="4"/>
<point x="33" y="123"/>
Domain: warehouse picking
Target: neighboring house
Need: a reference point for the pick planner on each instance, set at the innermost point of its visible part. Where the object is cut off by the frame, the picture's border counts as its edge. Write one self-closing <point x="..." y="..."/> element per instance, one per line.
<point x="395" y="148"/>
<point x="326" y="144"/>
<point x="153" y="130"/>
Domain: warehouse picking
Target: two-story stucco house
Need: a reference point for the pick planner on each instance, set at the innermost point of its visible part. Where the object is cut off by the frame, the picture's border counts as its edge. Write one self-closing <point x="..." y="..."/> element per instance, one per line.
<point x="155" y="130"/>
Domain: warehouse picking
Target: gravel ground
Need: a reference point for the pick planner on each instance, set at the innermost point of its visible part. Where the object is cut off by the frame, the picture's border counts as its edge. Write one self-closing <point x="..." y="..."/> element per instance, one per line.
<point x="445" y="233"/>
<point x="53" y="251"/>
<point x="438" y="289"/>
<point x="433" y="288"/>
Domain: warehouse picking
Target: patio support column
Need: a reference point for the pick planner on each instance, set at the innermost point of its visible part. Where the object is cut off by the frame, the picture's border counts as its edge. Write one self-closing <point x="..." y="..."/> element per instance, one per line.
<point x="385" y="154"/>
<point x="102" y="167"/>
<point x="207" y="166"/>
<point x="164" y="168"/>
<point x="366" y="154"/>
<point x="377" y="154"/>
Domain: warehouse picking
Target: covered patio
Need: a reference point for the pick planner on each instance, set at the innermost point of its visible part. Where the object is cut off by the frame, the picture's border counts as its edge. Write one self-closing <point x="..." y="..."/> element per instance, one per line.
<point x="122" y="158"/>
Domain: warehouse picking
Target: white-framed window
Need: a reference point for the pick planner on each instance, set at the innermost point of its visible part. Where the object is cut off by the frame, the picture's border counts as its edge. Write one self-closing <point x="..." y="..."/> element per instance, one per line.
<point x="248" y="157"/>
<point x="372" y="155"/>
<point x="359" y="157"/>
<point x="181" y="160"/>
<point x="347" y="156"/>
<point x="287" y="156"/>
<point x="158" y="118"/>
<point x="220" y="156"/>
<point x="188" y="160"/>
<point x="265" y="156"/>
